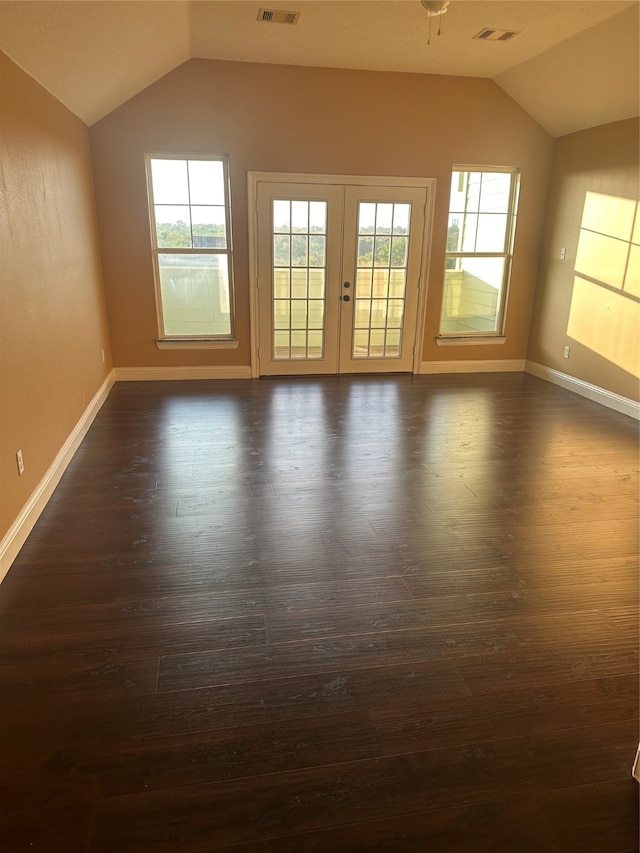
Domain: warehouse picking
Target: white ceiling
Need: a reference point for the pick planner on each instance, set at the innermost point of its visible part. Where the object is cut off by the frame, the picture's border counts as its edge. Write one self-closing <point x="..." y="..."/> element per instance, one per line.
<point x="573" y="65"/>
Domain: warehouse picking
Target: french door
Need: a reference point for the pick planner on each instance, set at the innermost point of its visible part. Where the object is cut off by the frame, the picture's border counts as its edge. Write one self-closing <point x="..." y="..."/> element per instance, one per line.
<point x="338" y="275"/>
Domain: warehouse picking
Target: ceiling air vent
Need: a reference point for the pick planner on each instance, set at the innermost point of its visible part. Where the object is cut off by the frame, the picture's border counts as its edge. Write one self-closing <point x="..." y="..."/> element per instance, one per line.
<point x="489" y="34"/>
<point x="278" y="16"/>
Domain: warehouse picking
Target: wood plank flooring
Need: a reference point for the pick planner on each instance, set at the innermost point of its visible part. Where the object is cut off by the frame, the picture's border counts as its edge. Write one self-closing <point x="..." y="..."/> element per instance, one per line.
<point x="329" y="614"/>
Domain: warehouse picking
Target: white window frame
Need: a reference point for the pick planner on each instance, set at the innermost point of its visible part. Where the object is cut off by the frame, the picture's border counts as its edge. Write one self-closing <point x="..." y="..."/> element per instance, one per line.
<point x="165" y="341"/>
<point x="494" y="335"/>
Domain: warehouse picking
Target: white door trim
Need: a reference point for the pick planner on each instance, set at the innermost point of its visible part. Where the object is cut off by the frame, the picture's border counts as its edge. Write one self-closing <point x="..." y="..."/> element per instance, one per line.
<point x="254" y="178"/>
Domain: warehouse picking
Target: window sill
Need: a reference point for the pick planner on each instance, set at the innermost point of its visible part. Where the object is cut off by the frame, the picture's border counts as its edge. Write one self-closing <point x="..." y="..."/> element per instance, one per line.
<point x="197" y="343"/>
<point x="469" y="340"/>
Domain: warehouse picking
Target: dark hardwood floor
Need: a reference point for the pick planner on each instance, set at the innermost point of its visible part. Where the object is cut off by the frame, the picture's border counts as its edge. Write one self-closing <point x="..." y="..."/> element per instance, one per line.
<point x="330" y="615"/>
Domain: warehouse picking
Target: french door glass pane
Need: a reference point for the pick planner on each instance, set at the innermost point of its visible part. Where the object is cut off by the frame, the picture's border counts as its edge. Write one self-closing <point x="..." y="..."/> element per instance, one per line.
<point x="383" y="238"/>
<point x="299" y="284"/>
<point x="364" y="282"/>
<point x="299" y="233"/>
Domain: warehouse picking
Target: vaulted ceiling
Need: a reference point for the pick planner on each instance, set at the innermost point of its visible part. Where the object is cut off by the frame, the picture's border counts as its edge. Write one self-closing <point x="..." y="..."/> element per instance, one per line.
<point x="573" y="63"/>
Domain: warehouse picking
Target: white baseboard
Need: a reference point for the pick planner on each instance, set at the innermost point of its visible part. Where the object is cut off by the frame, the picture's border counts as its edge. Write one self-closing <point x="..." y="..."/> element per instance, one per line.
<point x="585" y="389"/>
<point x="17" y="534"/>
<point x="507" y="365"/>
<point x="144" y="374"/>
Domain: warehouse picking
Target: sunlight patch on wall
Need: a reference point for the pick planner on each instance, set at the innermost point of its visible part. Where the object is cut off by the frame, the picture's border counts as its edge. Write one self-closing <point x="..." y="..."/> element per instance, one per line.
<point x="632" y="283"/>
<point x="609" y="214"/>
<point x="605" y="304"/>
<point x="606" y="322"/>
<point x="608" y="231"/>
<point x="603" y="258"/>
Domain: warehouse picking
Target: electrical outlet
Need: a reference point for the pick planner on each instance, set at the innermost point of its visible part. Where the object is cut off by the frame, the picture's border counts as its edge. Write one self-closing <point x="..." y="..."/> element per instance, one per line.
<point x="567" y="352"/>
<point x="563" y="254"/>
<point x="20" y="462"/>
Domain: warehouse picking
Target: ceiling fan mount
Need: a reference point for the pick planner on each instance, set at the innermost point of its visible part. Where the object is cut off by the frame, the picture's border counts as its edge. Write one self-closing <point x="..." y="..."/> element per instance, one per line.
<point x="435" y="7"/>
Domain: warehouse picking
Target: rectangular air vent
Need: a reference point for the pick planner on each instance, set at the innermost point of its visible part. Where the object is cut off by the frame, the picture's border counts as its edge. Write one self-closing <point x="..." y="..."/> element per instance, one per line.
<point x="278" y="16"/>
<point x="489" y="34"/>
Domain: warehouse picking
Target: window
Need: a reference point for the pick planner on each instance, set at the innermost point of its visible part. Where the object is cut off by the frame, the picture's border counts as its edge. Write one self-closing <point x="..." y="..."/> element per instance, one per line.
<point x="482" y="213"/>
<point x="191" y="237"/>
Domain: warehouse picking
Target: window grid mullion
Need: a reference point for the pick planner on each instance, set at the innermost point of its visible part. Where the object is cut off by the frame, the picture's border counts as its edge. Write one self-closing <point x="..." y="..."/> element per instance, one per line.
<point x="477" y="254"/>
<point x="163" y="250"/>
<point x="189" y="202"/>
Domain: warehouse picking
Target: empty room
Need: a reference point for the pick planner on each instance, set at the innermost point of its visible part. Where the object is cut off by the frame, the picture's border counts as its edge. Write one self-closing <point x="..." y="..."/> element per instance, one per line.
<point x="319" y="403"/>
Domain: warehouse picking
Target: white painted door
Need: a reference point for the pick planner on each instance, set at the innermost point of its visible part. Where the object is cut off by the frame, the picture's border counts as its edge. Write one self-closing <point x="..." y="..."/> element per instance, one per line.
<point x="338" y="269"/>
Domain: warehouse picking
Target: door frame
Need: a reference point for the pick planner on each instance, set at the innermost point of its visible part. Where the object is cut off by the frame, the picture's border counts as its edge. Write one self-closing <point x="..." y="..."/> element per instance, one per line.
<point x="255" y="178"/>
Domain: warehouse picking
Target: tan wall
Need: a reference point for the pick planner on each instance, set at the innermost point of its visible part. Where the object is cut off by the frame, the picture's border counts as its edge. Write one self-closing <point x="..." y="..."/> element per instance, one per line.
<point x="589" y="301"/>
<point x="281" y="118"/>
<point x="52" y="313"/>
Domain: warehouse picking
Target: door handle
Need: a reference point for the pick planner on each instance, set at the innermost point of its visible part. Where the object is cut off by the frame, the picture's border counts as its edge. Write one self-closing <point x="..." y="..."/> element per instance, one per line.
<point x="346" y="298"/>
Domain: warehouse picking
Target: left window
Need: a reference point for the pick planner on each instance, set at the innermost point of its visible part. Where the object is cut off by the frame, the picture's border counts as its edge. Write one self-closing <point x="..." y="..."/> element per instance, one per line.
<point x="191" y="237"/>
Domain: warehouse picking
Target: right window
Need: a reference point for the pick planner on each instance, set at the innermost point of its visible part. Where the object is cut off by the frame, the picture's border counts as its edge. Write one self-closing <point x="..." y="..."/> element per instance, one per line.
<point x="481" y="227"/>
